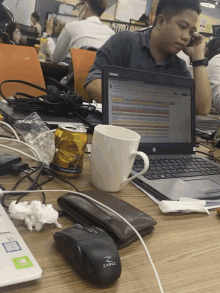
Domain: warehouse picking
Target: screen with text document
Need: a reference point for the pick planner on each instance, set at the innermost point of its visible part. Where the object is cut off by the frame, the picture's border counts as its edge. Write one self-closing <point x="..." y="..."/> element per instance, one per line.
<point x="159" y="113"/>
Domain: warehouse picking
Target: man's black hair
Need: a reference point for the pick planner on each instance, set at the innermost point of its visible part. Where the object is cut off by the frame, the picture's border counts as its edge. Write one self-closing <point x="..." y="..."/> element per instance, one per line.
<point x="175" y="7"/>
<point x="144" y="18"/>
<point x="212" y="48"/>
<point x="36" y="15"/>
<point x="97" y="6"/>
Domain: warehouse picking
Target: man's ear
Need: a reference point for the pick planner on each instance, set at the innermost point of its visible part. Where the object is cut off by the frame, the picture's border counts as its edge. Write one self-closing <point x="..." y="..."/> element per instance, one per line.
<point x="160" y="20"/>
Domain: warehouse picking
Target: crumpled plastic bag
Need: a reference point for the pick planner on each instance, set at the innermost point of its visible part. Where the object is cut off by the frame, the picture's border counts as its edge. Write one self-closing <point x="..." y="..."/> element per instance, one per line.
<point x="35" y="214"/>
<point x="184" y="205"/>
<point x="37" y="135"/>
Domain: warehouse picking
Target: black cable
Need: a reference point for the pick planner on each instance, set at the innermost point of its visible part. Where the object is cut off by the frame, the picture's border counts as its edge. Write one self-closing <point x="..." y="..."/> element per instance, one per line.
<point x="6" y="136"/>
<point x="19" y="181"/>
<point x="15" y="186"/>
<point x="46" y="181"/>
<point x="6" y="129"/>
<point x="22" y="94"/>
<point x="26" y="83"/>
<point x="60" y="178"/>
<point x="208" y="155"/>
<point x="33" y="184"/>
<point x="31" y="179"/>
<point x="208" y="147"/>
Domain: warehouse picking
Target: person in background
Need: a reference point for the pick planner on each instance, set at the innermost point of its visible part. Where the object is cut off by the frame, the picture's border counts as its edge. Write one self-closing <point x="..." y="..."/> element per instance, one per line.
<point x="88" y="31"/>
<point x="35" y="17"/>
<point x="212" y="52"/>
<point x="155" y="50"/>
<point x="144" y="18"/>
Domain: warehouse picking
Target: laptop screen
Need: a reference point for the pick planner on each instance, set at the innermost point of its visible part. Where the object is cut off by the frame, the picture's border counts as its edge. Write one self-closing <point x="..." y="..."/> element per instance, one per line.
<point x="158" y="108"/>
<point x="158" y="113"/>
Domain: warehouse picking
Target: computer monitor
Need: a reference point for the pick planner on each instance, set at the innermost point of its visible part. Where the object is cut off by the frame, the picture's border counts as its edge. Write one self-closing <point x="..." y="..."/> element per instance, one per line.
<point x="216" y="30"/>
<point x="29" y="35"/>
<point x="28" y="30"/>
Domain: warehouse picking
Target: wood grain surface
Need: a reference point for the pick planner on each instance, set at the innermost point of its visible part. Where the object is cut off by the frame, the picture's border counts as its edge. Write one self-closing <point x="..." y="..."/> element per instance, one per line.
<point x="185" y="248"/>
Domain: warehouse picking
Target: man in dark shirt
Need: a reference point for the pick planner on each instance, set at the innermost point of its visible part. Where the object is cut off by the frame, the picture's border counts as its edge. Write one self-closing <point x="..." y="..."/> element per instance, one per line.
<point x="155" y="50"/>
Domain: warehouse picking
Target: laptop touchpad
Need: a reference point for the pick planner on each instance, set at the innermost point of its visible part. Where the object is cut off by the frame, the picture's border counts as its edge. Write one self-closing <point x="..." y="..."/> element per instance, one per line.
<point x="207" y="187"/>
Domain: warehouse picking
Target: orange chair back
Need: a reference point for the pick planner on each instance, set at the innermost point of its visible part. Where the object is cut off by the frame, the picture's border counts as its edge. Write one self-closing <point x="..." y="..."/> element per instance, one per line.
<point x="82" y="62"/>
<point x="20" y="62"/>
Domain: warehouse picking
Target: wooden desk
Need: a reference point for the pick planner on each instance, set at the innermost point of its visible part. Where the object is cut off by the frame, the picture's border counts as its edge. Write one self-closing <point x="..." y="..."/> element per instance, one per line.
<point x="185" y="249"/>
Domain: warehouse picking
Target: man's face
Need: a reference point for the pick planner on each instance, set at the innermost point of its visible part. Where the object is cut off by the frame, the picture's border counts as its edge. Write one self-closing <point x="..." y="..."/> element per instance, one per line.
<point x="176" y="33"/>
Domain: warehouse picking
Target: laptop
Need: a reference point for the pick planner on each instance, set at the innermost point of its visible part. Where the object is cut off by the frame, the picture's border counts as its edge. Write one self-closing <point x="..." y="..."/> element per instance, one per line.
<point x="161" y="108"/>
<point x="13" y="115"/>
<point x="17" y="263"/>
<point x="206" y="125"/>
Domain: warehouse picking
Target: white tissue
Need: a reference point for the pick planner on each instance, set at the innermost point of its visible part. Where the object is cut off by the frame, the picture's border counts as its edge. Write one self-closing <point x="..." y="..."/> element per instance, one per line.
<point x="184" y="205"/>
<point x="34" y="214"/>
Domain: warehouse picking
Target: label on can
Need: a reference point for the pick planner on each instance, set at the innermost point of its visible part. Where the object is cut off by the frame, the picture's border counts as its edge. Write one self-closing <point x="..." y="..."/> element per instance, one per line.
<point x="70" y="144"/>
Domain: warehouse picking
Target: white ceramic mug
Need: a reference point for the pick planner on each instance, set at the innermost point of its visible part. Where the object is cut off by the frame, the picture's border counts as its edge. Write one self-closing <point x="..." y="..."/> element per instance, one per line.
<point x="112" y="156"/>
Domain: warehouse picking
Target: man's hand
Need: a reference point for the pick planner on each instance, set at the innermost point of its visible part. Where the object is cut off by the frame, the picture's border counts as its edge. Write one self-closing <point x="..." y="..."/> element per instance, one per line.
<point x="203" y="95"/>
<point x="196" y="51"/>
<point x="49" y="26"/>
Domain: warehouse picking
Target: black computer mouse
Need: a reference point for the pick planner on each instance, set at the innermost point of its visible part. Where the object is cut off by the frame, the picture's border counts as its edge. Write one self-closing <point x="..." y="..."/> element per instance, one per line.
<point x="92" y="253"/>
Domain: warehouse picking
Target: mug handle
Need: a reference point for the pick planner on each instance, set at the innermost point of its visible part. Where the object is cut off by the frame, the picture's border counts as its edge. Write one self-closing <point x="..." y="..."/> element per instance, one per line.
<point x="146" y="165"/>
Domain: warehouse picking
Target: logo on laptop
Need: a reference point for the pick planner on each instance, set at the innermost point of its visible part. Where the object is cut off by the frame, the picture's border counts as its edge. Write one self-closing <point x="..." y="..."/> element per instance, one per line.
<point x="113" y="74"/>
<point x="22" y="262"/>
<point x="109" y="262"/>
<point x="154" y="150"/>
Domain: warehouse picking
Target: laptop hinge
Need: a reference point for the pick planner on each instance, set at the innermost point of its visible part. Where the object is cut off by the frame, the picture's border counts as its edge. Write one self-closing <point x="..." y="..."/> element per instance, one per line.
<point x="168" y="156"/>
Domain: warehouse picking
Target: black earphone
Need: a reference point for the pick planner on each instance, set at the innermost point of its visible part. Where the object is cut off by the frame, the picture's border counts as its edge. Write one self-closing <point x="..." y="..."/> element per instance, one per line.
<point x="65" y="103"/>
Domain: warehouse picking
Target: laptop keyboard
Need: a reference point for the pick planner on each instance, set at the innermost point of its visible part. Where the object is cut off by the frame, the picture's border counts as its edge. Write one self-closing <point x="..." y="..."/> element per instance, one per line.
<point x="165" y="168"/>
<point x="207" y="125"/>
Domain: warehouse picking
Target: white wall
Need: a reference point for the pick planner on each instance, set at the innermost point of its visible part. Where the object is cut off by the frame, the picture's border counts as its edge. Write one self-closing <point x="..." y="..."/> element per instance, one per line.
<point x="22" y="11"/>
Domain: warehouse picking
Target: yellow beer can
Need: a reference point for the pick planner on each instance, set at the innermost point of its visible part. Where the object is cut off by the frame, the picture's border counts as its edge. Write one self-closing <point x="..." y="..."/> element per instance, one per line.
<point x="70" y="144"/>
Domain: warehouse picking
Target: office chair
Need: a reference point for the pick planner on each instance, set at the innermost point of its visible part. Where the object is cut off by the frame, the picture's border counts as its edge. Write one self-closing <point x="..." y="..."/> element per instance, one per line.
<point x="20" y="62"/>
<point x="89" y="48"/>
<point x="82" y="61"/>
<point x="4" y="38"/>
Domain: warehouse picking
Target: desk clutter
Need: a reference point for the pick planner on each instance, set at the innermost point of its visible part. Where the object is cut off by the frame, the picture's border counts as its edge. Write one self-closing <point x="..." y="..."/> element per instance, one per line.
<point x="105" y="223"/>
<point x="109" y="224"/>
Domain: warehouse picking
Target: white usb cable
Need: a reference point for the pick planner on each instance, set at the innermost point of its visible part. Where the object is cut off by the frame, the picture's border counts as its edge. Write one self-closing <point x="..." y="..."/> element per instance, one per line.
<point x="38" y="158"/>
<point x="20" y="152"/>
<point x="12" y="129"/>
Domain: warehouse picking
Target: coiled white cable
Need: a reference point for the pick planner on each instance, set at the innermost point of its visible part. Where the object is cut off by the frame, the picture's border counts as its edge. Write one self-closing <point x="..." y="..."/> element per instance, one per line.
<point x="97" y="202"/>
<point x="20" y="152"/>
<point x="38" y="158"/>
<point x="17" y="139"/>
<point x="12" y="129"/>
